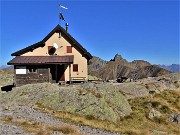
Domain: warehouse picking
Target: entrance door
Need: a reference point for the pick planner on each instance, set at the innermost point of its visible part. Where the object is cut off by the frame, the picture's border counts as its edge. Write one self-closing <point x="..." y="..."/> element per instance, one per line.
<point x="57" y="73"/>
<point x="60" y="73"/>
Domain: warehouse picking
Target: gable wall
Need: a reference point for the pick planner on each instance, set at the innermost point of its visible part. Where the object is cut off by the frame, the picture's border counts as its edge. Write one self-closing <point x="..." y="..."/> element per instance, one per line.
<point x="78" y="59"/>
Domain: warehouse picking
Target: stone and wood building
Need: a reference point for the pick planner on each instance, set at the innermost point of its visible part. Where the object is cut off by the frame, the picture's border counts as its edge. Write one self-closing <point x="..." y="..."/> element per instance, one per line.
<point x="58" y="58"/>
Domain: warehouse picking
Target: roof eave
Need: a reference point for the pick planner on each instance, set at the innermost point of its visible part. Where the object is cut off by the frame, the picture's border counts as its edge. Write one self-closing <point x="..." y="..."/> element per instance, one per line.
<point x="31" y="47"/>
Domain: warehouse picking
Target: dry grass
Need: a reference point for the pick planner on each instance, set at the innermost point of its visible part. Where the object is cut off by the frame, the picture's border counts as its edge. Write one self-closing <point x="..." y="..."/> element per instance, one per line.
<point x="64" y="129"/>
<point x="7" y="118"/>
<point x="40" y="128"/>
<point x="137" y="123"/>
<point x="170" y="99"/>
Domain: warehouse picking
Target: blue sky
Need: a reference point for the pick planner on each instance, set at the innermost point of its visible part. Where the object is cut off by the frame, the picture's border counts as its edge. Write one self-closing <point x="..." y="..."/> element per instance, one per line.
<point x="138" y="30"/>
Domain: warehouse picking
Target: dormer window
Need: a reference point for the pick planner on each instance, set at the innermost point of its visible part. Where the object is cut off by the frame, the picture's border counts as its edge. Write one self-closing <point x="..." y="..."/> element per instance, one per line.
<point x="69" y="49"/>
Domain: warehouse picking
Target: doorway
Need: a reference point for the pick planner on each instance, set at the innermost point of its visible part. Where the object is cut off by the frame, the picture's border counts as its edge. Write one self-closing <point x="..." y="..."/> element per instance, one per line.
<point x="60" y="73"/>
<point x="57" y="73"/>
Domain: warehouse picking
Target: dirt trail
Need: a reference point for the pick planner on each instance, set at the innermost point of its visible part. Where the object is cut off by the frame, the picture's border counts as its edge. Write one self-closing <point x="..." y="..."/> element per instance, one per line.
<point x="29" y="113"/>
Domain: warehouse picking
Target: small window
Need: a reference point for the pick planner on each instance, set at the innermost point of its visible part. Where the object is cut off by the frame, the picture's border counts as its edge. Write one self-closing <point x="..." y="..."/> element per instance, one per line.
<point x="32" y="70"/>
<point x="69" y="49"/>
<point x="75" y="67"/>
<point x="51" y="50"/>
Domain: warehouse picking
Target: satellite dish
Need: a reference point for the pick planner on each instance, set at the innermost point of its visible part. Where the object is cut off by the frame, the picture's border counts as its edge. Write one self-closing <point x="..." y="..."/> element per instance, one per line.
<point x="55" y="46"/>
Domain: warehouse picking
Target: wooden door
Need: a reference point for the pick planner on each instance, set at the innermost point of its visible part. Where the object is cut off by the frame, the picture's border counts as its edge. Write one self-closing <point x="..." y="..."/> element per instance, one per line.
<point x="60" y="73"/>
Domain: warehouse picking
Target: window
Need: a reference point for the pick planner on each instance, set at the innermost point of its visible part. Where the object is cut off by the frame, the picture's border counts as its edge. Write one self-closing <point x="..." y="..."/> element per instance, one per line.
<point x="32" y="70"/>
<point x="69" y="49"/>
<point x="51" y="50"/>
<point x="75" y="67"/>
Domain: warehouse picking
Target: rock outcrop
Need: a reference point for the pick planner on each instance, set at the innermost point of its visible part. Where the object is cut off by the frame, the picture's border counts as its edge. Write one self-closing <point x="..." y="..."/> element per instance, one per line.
<point x="154" y="113"/>
<point x="146" y="86"/>
<point x="100" y="101"/>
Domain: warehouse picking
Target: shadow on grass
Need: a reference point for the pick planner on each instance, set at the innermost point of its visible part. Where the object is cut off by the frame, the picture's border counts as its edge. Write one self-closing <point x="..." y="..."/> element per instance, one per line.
<point x="7" y="88"/>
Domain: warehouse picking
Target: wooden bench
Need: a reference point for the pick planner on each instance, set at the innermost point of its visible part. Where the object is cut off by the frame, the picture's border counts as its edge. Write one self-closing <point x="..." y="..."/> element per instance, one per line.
<point x="80" y="79"/>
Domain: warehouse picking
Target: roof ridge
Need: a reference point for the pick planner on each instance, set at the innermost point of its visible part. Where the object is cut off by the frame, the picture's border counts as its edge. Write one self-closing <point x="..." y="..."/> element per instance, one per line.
<point x="42" y="43"/>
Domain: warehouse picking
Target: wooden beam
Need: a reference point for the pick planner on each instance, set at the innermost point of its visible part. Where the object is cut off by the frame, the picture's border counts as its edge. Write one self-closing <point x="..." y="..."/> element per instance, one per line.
<point x="69" y="73"/>
<point x="49" y="75"/>
<point x="14" y="75"/>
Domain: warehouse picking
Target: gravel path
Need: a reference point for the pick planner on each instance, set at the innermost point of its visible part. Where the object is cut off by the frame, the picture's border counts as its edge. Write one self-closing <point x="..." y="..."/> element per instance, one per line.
<point x="30" y="113"/>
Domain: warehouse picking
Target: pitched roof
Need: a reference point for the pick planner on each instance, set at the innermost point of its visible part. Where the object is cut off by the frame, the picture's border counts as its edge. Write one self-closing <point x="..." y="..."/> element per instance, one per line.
<point x="42" y="43"/>
<point x="41" y="60"/>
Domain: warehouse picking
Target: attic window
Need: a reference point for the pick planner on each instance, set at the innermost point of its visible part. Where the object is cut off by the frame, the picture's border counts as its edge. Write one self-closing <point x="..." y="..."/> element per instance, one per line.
<point x="75" y="67"/>
<point x="69" y="49"/>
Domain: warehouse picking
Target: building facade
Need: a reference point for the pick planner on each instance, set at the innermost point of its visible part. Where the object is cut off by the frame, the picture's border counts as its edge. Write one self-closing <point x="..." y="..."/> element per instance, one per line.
<point x="57" y="58"/>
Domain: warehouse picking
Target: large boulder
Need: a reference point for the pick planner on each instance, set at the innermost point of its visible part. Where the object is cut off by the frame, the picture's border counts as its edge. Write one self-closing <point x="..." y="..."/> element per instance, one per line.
<point x="133" y="90"/>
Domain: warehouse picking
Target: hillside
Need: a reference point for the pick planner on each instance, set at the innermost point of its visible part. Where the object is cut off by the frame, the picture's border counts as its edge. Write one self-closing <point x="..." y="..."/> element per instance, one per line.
<point x="117" y="67"/>
<point x="6" y="78"/>
<point x="147" y="106"/>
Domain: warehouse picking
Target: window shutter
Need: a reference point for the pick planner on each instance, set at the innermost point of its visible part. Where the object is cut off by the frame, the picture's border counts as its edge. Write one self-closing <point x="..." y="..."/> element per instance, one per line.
<point x="49" y="48"/>
<point x="69" y="49"/>
<point x="75" y="67"/>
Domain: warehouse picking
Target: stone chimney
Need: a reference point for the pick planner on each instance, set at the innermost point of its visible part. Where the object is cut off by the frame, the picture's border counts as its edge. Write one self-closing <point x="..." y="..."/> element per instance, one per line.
<point x="67" y="25"/>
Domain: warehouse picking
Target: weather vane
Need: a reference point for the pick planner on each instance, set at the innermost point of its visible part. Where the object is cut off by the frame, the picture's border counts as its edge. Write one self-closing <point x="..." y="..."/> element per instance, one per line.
<point x="61" y="17"/>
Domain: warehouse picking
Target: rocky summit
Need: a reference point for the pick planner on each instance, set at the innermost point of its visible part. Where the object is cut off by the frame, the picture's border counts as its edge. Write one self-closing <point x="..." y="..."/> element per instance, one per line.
<point x="118" y="67"/>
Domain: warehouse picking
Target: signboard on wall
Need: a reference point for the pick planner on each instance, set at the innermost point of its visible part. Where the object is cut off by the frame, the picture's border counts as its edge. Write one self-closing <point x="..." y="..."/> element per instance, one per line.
<point x="21" y="70"/>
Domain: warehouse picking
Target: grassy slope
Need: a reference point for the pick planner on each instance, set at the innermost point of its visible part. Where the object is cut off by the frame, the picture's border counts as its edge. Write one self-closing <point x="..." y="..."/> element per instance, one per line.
<point x="6" y="78"/>
<point x="138" y="122"/>
<point x="166" y="102"/>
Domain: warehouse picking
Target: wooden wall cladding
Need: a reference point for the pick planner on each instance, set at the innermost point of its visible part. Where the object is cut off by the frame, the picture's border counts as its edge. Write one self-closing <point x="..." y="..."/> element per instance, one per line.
<point x="42" y="75"/>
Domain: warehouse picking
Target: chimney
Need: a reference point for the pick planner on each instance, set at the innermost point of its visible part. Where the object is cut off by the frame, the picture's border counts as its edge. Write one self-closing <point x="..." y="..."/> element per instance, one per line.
<point x="67" y="27"/>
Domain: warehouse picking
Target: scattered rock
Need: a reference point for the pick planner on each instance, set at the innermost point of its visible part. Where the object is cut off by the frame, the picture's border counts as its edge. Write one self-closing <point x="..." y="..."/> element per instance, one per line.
<point x="175" y="118"/>
<point x="150" y="86"/>
<point x="154" y="113"/>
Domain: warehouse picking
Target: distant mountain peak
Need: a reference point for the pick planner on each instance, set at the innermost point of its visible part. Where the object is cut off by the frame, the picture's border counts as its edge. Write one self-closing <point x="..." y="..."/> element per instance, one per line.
<point x="172" y="68"/>
<point x="117" y="58"/>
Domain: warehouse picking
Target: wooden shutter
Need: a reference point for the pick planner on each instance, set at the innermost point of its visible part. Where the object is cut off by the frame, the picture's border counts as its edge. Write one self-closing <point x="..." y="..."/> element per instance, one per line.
<point x="49" y="48"/>
<point x="75" y="67"/>
<point x="69" y="49"/>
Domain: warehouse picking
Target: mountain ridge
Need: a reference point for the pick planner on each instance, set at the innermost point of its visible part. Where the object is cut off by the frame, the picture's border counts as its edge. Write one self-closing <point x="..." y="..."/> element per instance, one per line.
<point x="172" y="67"/>
<point x="118" y="67"/>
